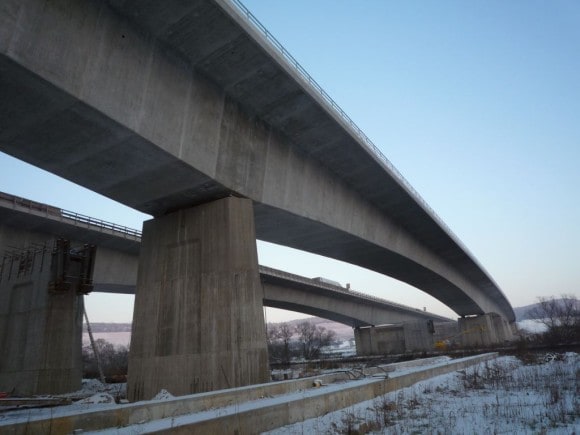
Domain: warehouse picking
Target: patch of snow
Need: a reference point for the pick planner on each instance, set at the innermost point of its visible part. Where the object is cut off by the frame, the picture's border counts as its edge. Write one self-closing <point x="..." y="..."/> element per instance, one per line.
<point x="163" y="395"/>
<point x="501" y="396"/>
<point x="532" y="326"/>
<point x="97" y="399"/>
<point x="92" y="386"/>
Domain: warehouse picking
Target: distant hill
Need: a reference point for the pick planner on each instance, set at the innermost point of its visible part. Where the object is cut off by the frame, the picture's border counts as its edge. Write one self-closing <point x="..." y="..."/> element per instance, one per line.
<point x="522" y="312"/>
<point x="108" y="327"/>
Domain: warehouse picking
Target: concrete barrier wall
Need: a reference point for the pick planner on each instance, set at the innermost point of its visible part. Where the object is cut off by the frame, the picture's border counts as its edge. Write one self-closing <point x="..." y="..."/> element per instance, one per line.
<point x="235" y="418"/>
<point x="256" y="420"/>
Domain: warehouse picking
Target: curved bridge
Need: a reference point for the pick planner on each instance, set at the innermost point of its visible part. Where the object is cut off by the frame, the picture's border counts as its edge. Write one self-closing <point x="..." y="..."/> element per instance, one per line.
<point x="24" y="222"/>
<point x="297" y="293"/>
<point x="305" y="295"/>
<point x="164" y="106"/>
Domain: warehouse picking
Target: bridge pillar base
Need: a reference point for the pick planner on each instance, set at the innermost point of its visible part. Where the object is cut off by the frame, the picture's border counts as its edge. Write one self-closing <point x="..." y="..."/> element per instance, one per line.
<point x="486" y="330"/>
<point x="40" y="326"/>
<point x="379" y="340"/>
<point x="198" y="323"/>
<point x="411" y="336"/>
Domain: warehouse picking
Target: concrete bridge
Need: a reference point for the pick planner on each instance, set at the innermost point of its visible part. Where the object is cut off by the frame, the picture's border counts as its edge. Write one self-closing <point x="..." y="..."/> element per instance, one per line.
<point x="191" y="112"/>
<point x="24" y="223"/>
<point x="28" y="231"/>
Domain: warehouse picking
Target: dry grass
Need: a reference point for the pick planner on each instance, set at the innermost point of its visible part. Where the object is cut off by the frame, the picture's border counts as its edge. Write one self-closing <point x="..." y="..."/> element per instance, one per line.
<point x="528" y="395"/>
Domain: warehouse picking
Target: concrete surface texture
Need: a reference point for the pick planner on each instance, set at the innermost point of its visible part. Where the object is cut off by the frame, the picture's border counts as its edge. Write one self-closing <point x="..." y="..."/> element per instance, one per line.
<point x="198" y="323"/>
<point x="40" y="330"/>
<point x="163" y="107"/>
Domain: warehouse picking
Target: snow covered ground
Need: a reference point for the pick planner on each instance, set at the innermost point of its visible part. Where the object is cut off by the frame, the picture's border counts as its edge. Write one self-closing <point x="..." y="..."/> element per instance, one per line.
<point x="504" y="396"/>
<point x="532" y="326"/>
<point x="533" y="395"/>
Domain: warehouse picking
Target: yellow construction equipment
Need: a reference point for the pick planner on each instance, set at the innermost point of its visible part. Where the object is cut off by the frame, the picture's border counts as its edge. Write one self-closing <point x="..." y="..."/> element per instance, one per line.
<point x="447" y="342"/>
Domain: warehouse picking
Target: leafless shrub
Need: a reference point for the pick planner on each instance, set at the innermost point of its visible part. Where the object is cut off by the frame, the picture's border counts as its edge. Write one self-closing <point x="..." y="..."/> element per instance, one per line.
<point x="351" y="424"/>
<point x="560" y="316"/>
<point x="388" y="412"/>
<point x="114" y="361"/>
<point x="554" y="394"/>
<point x="541" y="396"/>
<point x="529" y="358"/>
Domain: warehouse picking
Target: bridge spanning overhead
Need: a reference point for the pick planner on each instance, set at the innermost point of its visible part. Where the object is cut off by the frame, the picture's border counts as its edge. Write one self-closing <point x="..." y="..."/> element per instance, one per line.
<point x="24" y="222"/>
<point x="187" y="111"/>
<point x="297" y="293"/>
<point x="163" y="106"/>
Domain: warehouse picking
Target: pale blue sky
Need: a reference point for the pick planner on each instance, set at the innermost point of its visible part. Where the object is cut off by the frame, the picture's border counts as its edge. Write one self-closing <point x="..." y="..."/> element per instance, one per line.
<point x="477" y="105"/>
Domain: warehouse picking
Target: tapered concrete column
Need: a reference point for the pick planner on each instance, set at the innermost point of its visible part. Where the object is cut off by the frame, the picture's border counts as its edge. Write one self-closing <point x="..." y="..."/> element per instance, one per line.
<point x="198" y="323"/>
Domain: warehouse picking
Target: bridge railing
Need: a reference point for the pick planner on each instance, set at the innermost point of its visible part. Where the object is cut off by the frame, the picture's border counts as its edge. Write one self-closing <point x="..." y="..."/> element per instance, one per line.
<point x="79" y="218"/>
<point x="60" y="214"/>
<point x="333" y="106"/>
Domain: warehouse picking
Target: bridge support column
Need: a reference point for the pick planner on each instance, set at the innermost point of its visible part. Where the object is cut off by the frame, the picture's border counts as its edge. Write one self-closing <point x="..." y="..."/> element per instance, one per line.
<point x="379" y="340"/>
<point x="419" y="336"/>
<point x="485" y="330"/>
<point x="41" y="322"/>
<point x="198" y="323"/>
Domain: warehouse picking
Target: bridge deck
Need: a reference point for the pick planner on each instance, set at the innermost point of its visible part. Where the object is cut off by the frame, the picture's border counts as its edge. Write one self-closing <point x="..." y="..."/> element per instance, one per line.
<point x="70" y="109"/>
<point x="30" y="215"/>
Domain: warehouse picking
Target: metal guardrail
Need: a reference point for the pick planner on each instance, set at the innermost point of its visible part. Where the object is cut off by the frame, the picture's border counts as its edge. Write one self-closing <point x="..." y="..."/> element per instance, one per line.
<point x="100" y="223"/>
<point x="302" y="279"/>
<point x="333" y="106"/>
<point x="60" y="214"/>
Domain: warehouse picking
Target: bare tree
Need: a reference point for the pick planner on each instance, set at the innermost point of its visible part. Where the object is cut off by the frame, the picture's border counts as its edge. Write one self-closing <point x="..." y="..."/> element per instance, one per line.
<point x="306" y="332"/>
<point x="272" y="332"/>
<point x="272" y="337"/>
<point x="279" y="338"/>
<point x="114" y="359"/>
<point x="324" y="337"/>
<point x="285" y="334"/>
<point x="560" y="316"/>
<point x="313" y="338"/>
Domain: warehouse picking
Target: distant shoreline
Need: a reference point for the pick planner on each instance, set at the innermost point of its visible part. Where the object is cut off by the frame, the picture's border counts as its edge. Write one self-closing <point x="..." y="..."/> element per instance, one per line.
<point x="121" y="338"/>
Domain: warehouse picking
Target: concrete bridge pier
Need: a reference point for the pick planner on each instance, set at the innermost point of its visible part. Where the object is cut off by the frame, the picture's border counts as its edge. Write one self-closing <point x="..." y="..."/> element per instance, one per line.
<point x="198" y="323"/>
<point x="379" y="340"/>
<point x="41" y="309"/>
<point x="411" y="336"/>
<point x="484" y="330"/>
